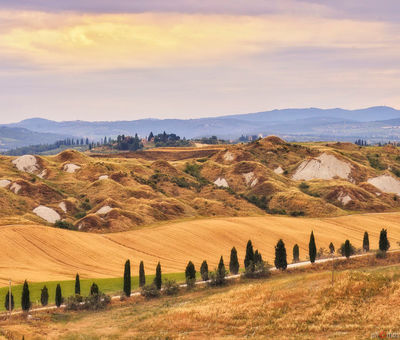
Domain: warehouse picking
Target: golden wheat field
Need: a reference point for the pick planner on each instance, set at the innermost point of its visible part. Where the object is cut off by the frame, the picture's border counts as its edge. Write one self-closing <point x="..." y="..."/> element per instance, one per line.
<point x="40" y="253"/>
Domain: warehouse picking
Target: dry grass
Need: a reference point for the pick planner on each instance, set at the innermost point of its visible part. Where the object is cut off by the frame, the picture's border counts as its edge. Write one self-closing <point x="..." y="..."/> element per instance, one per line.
<point x="287" y="306"/>
<point x="40" y="253"/>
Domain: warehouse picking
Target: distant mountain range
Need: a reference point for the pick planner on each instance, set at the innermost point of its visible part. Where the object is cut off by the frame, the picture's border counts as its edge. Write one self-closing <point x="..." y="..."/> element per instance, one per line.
<point x="380" y="123"/>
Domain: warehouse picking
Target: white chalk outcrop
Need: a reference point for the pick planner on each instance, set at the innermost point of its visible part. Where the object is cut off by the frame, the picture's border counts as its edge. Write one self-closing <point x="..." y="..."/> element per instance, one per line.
<point x="4" y="183"/>
<point x="103" y="177"/>
<point x="386" y="183"/>
<point x="71" y="168"/>
<point x="279" y="170"/>
<point x="104" y="210"/>
<point x="63" y="206"/>
<point x="323" y="167"/>
<point x="15" y="188"/>
<point x="229" y="156"/>
<point x="221" y="182"/>
<point x="250" y="179"/>
<point x="27" y="163"/>
<point x="344" y="198"/>
<point x="47" y="214"/>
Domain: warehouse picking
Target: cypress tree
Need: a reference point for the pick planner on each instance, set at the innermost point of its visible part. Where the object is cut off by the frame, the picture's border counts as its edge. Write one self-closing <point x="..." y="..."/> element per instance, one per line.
<point x="25" y="299"/>
<point x="190" y="273"/>
<point x="249" y="258"/>
<point x="234" y="262"/>
<point x="204" y="271"/>
<point x="7" y="301"/>
<point x="158" y="278"/>
<point x="384" y="244"/>
<point x="257" y="257"/>
<point x="366" y="242"/>
<point x="142" y="276"/>
<point x="221" y="272"/>
<point x="94" y="289"/>
<point x="296" y="254"/>
<point x="127" y="278"/>
<point x="59" y="297"/>
<point x="347" y="249"/>
<point x="44" y="296"/>
<point x="331" y="248"/>
<point x="280" y="255"/>
<point x="77" y="285"/>
<point x="312" y="248"/>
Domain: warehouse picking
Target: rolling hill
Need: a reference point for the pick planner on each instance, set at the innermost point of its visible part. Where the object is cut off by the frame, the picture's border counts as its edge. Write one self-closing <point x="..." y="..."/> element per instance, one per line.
<point x="309" y="124"/>
<point x="40" y="253"/>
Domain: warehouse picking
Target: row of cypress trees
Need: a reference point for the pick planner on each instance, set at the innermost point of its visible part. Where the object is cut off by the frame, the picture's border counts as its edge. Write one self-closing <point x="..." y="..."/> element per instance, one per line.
<point x="251" y="259"/>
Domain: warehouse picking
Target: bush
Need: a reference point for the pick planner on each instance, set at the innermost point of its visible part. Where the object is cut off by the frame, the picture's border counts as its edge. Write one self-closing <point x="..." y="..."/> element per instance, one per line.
<point x="351" y="250"/>
<point x="331" y="248"/>
<point x="80" y="215"/>
<point x="380" y="254"/>
<point x="170" y="287"/>
<point x="94" y="289"/>
<point x="259" y="270"/>
<point x="150" y="291"/>
<point x="92" y="302"/>
<point x="64" y="225"/>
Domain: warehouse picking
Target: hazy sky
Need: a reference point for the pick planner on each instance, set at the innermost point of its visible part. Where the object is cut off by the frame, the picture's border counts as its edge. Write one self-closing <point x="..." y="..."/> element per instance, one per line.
<point x="109" y="60"/>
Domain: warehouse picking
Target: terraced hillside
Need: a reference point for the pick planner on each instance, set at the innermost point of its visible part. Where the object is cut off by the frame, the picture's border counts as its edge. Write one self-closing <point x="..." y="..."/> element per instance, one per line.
<point x="39" y="253"/>
<point x="109" y="193"/>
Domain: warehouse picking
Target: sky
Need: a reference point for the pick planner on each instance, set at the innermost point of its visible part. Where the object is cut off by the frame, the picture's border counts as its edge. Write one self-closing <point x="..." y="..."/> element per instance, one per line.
<point x="129" y="59"/>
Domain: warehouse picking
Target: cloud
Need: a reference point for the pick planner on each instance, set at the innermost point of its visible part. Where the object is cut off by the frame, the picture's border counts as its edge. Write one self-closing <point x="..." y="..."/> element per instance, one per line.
<point x="110" y="41"/>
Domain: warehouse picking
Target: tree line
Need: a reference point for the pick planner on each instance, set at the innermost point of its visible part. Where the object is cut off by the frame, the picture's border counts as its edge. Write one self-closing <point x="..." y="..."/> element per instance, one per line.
<point x="254" y="266"/>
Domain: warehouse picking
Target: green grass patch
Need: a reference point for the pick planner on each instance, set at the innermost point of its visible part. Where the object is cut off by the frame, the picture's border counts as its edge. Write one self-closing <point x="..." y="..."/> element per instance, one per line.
<point x="111" y="286"/>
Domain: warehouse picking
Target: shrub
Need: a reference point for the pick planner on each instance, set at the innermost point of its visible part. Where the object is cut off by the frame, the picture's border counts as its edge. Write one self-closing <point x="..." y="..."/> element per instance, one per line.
<point x="170" y="287"/>
<point x="44" y="296"/>
<point x="380" y="254"/>
<point x="64" y="225"/>
<point x="280" y="255"/>
<point x="234" y="262"/>
<point x="150" y="291"/>
<point x="347" y="249"/>
<point x="86" y="206"/>
<point x="304" y="186"/>
<point x="157" y="278"/>
<point x="204" y="271"/>
<point x="92" y="302"/>
<point x="296" y="254"/>
<point x="94" y="289"/>
<point x="80" y="215"/>
<point x="260" y="270"/>
<point x="331" y="248"/>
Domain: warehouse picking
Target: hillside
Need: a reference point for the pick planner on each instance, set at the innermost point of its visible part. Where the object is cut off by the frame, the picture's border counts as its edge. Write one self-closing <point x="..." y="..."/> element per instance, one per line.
<point x="39" y="253"/>
<point x="117" y="192"/>
<point x="360" y="305"/>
